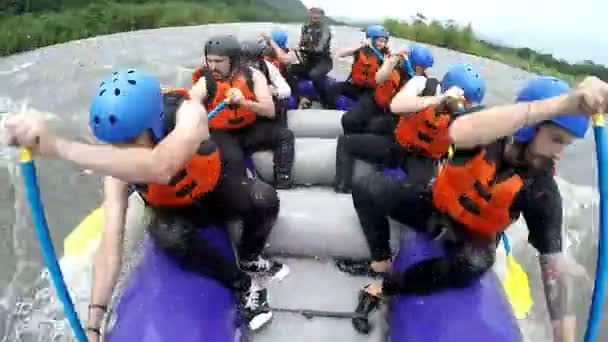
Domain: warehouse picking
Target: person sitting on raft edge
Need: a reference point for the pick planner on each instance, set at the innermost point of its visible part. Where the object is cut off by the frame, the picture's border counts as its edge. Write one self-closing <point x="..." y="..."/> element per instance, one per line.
<point x="373" y="114"/>
<point x="479" y="193"/>
<point x="158" y="145"/>
<point x="314" y="52"/>
<point x="236" y="127"/>
<point x="367" y="60"/>
<point x="253" y="56"/>
<point x="413" y="146"/>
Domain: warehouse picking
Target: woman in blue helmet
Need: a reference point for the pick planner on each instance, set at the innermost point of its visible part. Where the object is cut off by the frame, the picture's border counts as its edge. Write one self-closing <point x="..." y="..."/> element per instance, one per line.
<point x="277" y="51"/>
<point x="367" y="60"/>
<point x="491" y="179"/>
<point x="158" y="145"/>
<point x="372" y="114"/>
<point x="412" y="145"/>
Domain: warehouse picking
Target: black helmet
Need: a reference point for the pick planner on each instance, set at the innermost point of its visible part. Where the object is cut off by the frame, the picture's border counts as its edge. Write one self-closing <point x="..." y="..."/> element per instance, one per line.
<point x="224" y="45"/>
<point x="252" y="49"/>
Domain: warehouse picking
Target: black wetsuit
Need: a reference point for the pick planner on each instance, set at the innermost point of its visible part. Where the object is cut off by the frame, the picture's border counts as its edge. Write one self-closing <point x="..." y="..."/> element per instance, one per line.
<point x="376" y="198"/>
<point x="177" y="230"/>
<point x="379" y="146"/>
<point x="315" y="61"/>
<point x="367" y="117"/>
<point x="263" y="134"/>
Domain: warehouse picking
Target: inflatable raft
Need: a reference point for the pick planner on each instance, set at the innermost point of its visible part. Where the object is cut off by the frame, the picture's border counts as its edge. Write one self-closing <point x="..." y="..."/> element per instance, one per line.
<point x="162" y="303"/>
<point x="307" y="90"/>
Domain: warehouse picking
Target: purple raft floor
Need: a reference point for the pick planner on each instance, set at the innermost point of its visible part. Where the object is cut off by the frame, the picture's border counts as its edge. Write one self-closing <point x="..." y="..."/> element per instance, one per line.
<point x="163" y="303"/>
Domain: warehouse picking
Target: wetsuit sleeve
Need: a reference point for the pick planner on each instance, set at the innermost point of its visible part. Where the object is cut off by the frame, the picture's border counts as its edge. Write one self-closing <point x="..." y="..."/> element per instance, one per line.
<point x="541" y="206"/>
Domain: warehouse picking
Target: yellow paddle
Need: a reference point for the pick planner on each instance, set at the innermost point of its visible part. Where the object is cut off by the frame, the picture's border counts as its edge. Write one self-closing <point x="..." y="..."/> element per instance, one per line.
<point x="516" y="284"/>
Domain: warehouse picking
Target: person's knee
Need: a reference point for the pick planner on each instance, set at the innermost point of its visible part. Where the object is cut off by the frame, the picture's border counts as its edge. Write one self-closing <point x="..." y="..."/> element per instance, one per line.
<point x="367" y="190"/>
<point x="317" y="74"/>
<point x="350" y="123"/>
<point x="264" y="199"/>
<point x="170" y="235"/>
<point x="472" y="265"/>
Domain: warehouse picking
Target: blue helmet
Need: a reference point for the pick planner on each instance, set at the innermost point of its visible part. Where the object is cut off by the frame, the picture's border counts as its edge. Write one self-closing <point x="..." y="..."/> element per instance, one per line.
<point x="376" y="31"/>
<point x="420" y="55"/>
<point x="544" y="88"/>
<point x="280" y="38"/>
<point x="467" y="78"/>
<point x="127" y="103"/>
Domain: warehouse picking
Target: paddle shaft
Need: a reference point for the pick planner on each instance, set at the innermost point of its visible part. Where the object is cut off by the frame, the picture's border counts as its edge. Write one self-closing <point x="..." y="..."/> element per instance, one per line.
<point x="599" y="289"/>
<point x="405" y="61"/>
<point x="28" y="169"/>
<point x="217" y="109"/>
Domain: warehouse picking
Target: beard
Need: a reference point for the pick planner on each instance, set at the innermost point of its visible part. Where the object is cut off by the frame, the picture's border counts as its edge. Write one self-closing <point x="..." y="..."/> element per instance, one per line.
<point x="529" y="163"/>
<point x="535" y="164"/>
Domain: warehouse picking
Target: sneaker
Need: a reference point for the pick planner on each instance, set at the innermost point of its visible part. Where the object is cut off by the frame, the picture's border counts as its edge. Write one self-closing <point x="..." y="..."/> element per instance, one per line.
<point x="254" y="307"/>
<point x="283" y="181"/>
<point x="358" y="268"/>
<point x="265" y="268"/>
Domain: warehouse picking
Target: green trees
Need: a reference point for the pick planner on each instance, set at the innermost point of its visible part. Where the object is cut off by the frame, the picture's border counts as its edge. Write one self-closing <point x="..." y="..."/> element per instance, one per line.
<point x="450" y="35"/>
<point x="47" y="22"/>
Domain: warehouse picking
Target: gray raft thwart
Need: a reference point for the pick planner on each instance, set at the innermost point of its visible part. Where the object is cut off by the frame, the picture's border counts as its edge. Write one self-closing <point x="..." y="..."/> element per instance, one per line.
<point x="318" y="222"/>
<point x="314" y="164"/>
<point x="315" y="123"/>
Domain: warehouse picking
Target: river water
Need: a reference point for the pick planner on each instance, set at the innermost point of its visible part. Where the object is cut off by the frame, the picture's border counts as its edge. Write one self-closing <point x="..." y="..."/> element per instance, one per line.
<point x="61" y="80"/>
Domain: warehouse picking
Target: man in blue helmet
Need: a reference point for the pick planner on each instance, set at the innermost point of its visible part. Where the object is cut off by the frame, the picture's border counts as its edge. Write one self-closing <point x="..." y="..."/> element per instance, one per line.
<point x="314" y="53"/>
<point x="367" y="60"/>
<point x="415" y="145"/>
<point x="489" y="181"/>
<point x="372" y="114"/>
<point x="158" y="145"/>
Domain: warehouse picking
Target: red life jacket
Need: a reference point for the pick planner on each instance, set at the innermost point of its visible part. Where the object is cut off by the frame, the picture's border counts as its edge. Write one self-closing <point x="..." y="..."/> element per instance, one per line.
<point x="470" y="194"/>
<point x="232" y="116"/>
<point x="199" y="176"/>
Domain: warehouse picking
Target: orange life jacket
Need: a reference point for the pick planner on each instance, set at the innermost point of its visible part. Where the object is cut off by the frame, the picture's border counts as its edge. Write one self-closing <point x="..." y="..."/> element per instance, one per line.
<point x="198" y="177"/>
<point x="364" y="68"/>
<point x="385" y="91"/>
<point x="232" y="116"/>
<point x="470" y="194"/>
<point x="425" y="132"/>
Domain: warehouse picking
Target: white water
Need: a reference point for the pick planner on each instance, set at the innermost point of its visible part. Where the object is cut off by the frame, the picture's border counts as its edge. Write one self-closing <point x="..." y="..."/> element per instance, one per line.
<point x="28" y="306"/>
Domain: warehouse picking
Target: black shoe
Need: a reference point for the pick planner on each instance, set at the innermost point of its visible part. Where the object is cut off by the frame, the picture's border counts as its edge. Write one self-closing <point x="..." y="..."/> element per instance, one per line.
<point x="255" y="310"/>
<point x="367" y="304"/>
<point x="265" y="268"/>
<point x="342" y="188"/>
<point x="359" y="268"/>
<point x="283" y="181"/>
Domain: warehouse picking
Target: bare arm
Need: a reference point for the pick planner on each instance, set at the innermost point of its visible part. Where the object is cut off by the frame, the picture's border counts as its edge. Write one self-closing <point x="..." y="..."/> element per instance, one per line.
<point x="559" y="294"/>
<point x="264" y="105"/>
<point x="385" y="70"/>
<point x="348" y="52"/>
<point x="140" y="164"/>
<point x="407" y="100"/>
<point x="109" y="254"/>
<point x="486" y="126"/>
<point x="283" y="56"/>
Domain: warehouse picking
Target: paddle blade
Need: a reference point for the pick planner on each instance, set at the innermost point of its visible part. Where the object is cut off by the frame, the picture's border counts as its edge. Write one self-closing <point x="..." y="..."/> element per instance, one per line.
<point x="89" y="230"/>
<point x="517" y="288"/>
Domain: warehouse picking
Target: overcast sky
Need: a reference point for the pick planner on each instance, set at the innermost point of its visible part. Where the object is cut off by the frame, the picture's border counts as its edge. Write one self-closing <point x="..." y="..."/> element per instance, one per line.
<point x="574" y="30"/>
